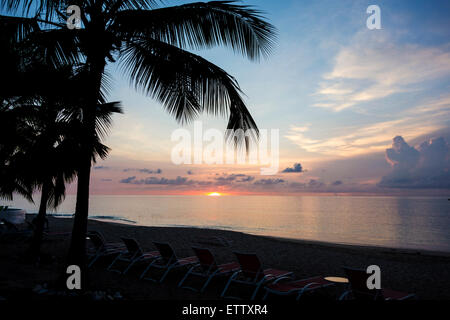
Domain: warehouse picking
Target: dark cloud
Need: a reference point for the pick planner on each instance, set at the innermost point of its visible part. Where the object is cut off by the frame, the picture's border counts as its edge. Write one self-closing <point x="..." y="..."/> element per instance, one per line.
<point x="189" y="172"/>
<point x="297" y="185"/>
<point x="144" y="170"/>
<point x="428" y="166"/>
<point x="101" y="168"/>
<point x="159" y="181"/>
<point x="401" y="155"/>
<point x="337" y="183"/>
<point x="106" y="180"/>
<point x="268" y="182"/>
<point x="247" y="179"/>
<point x="128" y="180"/>
<point x="311" y="184"/>
<point x="227" y="179"/>
<point x="296" y="168"/>
<point x="178" y="181"/>
<point x="315" y="183"/>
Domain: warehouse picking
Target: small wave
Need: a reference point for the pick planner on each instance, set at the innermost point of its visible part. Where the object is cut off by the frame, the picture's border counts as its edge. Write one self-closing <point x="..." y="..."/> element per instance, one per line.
<point x="99" y="217"/>
<point x="59" y="214"/>
<point x="115" y="218"/>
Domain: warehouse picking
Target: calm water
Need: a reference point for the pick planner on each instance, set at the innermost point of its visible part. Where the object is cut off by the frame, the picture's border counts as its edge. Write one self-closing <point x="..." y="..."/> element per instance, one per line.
<point x="399" y="222"/>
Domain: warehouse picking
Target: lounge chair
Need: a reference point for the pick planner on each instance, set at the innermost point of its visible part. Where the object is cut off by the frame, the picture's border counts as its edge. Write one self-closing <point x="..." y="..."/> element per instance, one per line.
<point x="9" y="231"/>
<point x="101" y="248"/>
<point x="358" y="288"/>
<point x="167" y="261"/>
<point x="252" y="273"/>
<point x="207" y="268"/>
<point x="298" y="287"/>
<point x="132" y="255"/>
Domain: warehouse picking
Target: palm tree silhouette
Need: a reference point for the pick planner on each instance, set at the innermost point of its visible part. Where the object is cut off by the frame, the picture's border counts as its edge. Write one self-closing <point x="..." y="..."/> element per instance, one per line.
<point x="150" y="43"/>
<point x="40" y="147"/>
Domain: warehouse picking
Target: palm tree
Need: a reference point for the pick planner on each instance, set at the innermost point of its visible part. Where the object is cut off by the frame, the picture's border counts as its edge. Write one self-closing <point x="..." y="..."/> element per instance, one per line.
<point x="51" y="160"/>
<point x="14" y="133"/>
<point x="39" y="147"/>
<point x="13" y="144"/>
<point x="151" y="44"/>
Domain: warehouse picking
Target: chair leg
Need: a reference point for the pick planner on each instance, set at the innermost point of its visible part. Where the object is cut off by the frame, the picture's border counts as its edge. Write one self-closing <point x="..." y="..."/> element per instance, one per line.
<point x="114" y="261"/>
<point x="93" y="260"/>
<point x="185" y="276"/>
<point x="266" y="295"/>
<point x="207" y="282"/>
<point x="130" y="265"/>
<point x="228" y="283"/>
<point x="305" y="288"/>
<point x="345" y="295"/>
<point x="166" y="273"/>
<point x="146" y="269"/>
<point x="256" y="289"/>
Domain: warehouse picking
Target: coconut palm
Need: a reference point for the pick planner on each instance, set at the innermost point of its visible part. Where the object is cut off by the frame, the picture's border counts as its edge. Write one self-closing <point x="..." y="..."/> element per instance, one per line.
<point x="52" y="159"/>
<point x="39" y="123"/>
<point x="45" y="153"/>
<point x="151" y="45"/>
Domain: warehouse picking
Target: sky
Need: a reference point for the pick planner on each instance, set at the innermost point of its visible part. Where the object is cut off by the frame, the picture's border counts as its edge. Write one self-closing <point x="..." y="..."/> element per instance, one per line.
<point x="358" y="111"/>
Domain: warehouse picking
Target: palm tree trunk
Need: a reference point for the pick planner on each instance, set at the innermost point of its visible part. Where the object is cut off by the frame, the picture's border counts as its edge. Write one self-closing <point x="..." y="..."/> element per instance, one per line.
<point x="77" y="254"/>
<point x="77" y="250"/>
<point x="35" y="247"/>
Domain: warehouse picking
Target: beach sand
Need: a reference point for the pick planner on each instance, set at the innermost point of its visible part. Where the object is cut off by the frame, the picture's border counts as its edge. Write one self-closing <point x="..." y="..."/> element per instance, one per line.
<point x="427" y="274"/>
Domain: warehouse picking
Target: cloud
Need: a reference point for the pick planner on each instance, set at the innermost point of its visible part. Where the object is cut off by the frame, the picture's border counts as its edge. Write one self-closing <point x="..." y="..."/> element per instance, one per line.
<point x="128" y="180"/>
<point x="227" y="179"/>
<point x="428" y="166"/>
<point x="296" y="168"/>
<point x="247" y="179"/>
<point x="158" y="181"/>
<point x="268" y="182"/>
<point x="157" y="171"/>
<point x="401" y="155"/>
<point x="101" y="168"/>
<point x="372" y="68"/>
<point x="337" y="183"/>
<point x="372" y="137"/>
<point x="315" y="183"/>
<point x="311" y="184"/>
<point x="189" y="172"/>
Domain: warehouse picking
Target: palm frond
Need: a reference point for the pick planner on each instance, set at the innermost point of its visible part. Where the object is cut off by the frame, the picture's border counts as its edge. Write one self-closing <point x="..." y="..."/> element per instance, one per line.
<point x="185" y="83"/>
<point x="58" y="47"/>
<point x="203" y="25"/>
<point x="113" y="6"/>
<point x="16" y="29"/>
<point x="103" y="117"/>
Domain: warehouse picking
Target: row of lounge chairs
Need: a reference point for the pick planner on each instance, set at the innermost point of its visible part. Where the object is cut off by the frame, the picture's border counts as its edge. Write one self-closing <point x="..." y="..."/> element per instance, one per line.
<point x="247" y="270"/>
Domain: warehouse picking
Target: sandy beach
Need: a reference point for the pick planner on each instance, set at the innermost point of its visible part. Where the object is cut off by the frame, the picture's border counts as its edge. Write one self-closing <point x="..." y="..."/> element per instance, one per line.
<point x="427" y="274"/>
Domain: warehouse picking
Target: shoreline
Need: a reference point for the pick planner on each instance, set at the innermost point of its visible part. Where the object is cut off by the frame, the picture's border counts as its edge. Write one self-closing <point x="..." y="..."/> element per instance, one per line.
<point x="412" y="251"/>
<point x="423" y="252"/>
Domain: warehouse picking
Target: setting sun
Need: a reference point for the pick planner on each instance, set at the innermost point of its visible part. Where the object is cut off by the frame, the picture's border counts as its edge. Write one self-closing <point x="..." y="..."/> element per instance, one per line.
<point x="214" y="194"/>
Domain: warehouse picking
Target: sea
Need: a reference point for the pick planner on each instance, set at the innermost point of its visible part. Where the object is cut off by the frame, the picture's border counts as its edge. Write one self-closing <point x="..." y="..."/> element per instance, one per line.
<point x="394" y="222"/>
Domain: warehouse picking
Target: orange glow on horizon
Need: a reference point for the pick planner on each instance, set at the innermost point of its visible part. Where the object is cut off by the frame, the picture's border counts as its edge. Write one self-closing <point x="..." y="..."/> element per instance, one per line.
<point x="214" y="194"/>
